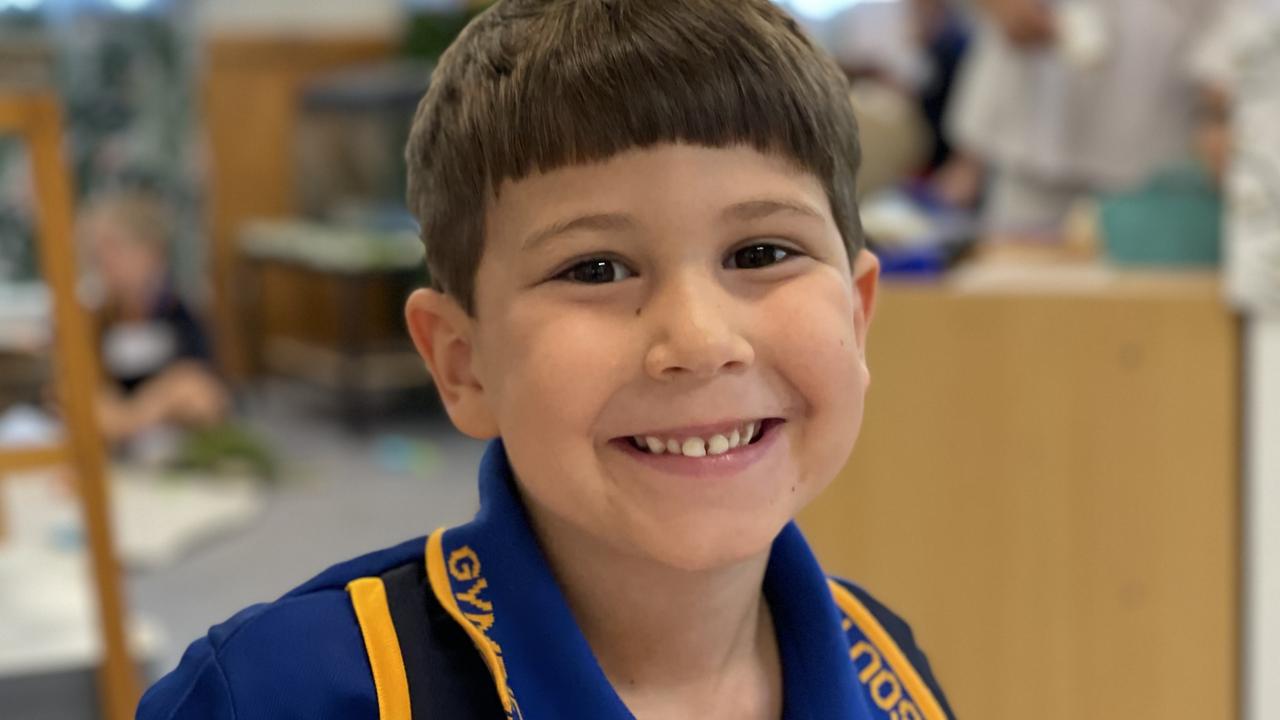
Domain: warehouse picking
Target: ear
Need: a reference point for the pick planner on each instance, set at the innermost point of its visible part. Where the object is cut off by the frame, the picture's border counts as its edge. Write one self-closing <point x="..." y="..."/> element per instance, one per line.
<point x="443" y="333"/>
<point x="866" y="283"/>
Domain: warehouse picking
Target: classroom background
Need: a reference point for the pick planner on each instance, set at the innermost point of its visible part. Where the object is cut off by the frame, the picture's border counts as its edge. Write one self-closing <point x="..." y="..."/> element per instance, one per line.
<point x="1069" y="473"/>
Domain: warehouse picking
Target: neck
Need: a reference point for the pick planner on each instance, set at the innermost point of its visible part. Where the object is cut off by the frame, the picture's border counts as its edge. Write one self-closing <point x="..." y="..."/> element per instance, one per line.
<point x="673" y="642"/>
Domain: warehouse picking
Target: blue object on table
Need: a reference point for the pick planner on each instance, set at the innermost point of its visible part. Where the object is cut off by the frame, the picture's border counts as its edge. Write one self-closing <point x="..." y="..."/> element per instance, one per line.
<point x="950" y="234"/>
<point x="928" y="260"/>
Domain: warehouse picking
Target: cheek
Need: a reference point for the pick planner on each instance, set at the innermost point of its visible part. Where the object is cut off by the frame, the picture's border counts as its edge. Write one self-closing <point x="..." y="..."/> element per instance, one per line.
<point x="816" y="352"/>
<point x="814" y="341"/>
<point x="556" y="368"/>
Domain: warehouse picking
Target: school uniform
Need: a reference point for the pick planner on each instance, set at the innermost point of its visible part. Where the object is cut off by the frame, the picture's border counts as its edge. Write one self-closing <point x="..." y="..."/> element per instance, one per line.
<point x="470" y="623"/>
<point x="134" y="352"/>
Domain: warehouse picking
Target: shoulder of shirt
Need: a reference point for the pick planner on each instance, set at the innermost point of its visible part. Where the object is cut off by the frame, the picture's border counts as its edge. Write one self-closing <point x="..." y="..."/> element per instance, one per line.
<point x="302" y="655"/>
<point x="900" y="632"/>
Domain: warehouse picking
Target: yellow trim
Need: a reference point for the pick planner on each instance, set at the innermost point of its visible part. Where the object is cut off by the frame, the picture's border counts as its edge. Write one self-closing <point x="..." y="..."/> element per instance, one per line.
<point x="438" y="574"/>
<point x="880" y="637"/>
<point x="369" y="597"/>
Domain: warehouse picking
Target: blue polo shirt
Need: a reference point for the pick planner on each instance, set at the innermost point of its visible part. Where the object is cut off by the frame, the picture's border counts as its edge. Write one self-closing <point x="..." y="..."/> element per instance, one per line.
<point x="483" y="630"/>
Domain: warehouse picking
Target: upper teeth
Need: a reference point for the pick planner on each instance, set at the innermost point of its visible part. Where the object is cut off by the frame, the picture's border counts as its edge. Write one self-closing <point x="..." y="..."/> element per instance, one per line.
<point x="698" y="446"/>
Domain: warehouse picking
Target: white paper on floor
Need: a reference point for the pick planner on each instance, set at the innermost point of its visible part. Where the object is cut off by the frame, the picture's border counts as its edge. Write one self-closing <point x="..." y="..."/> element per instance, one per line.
<point x="156" y="518"/>
<point x="48" y="614"/>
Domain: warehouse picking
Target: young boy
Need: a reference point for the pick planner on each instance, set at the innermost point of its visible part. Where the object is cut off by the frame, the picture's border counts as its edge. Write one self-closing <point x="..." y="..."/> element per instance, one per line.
<point x="650" y="287"/>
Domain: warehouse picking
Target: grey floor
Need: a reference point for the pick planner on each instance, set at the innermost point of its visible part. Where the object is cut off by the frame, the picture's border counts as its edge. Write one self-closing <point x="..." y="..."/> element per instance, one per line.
<point x="342" y="495"/>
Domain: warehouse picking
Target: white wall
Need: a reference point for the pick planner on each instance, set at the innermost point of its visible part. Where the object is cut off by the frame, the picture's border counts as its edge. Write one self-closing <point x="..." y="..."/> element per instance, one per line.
<point x="1262" y="521"/>
<point x="301" y="17"/>
<point x="1251" y="250"/>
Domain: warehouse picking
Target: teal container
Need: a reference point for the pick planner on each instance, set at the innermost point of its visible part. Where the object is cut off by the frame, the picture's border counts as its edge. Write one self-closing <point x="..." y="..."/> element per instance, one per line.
<point x="1175" y="220"/>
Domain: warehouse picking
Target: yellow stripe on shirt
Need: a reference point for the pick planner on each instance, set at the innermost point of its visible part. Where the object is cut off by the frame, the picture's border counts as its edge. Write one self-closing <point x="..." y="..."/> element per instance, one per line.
<point x="923" y="698"/>
<point x="438" y="574"/>
<point x="369" y="597"/>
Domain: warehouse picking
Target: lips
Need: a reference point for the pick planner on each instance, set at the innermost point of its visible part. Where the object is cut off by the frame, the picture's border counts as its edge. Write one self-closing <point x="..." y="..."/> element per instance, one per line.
<point x="727" y="466"/>
<point x="698" y="443"/>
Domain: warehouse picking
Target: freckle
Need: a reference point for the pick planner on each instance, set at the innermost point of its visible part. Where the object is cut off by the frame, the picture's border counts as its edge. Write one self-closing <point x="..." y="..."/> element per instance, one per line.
<point x="841" y="342"/>
<point x="793" y="488"/>
<point x="638" y="311"/>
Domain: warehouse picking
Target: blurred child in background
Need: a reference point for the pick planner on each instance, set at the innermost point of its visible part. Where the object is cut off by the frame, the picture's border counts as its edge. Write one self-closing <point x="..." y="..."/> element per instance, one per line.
<point x="156" y="357"/>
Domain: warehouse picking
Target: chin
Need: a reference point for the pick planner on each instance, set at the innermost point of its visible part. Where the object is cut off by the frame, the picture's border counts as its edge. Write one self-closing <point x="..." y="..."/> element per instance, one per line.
<point x="702" y="549"/>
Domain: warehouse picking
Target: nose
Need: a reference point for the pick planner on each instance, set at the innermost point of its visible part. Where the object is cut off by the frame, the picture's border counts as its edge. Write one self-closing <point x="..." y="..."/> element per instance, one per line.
<point x="698" y="333"/>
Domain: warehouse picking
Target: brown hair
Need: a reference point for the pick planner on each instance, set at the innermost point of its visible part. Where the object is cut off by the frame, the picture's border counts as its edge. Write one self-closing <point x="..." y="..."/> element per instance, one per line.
<point x="535" y="85"/>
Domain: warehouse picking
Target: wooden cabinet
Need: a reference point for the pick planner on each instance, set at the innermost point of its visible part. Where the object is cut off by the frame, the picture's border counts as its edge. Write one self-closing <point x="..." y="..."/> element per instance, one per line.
<point x="250" y="97"/>
<point x="1047" y="487"/>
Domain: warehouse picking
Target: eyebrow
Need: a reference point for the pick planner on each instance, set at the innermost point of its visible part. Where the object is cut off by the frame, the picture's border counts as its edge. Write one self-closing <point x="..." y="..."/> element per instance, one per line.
<point x="600" y="222"/>
<point x="759" y="209"/>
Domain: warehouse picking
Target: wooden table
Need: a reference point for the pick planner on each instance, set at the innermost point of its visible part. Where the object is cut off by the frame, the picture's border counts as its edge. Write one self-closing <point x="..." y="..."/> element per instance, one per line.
<point x="1047" y="488"/>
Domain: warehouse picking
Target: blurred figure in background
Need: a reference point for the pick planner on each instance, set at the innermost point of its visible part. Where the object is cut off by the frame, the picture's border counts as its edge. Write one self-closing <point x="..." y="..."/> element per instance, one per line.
<point x="156" y="356"/>
<point x="1214" y="69"/>
<point x="901" y="58"/>
<point x="943" y="31"/>
<point x="1067" y="98"/>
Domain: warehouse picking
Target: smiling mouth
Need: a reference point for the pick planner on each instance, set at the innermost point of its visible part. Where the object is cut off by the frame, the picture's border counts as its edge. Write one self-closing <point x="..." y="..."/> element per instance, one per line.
<point x="698" y="446"/>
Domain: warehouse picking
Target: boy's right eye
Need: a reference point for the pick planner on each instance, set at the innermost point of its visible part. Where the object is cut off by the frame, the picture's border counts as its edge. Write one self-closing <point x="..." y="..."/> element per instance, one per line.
<point x="596" y="271"/>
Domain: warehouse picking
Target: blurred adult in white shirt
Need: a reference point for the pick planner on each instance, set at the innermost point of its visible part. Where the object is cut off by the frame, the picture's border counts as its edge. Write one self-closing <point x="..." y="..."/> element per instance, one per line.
<point x="876" y="38"/>
<point x="1063" y="98"/>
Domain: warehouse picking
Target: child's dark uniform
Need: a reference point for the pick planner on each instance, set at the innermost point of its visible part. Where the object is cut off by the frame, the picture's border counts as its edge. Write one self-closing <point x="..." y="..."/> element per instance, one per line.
<point x="469" y="623"/>
<point x="173" y="334"/>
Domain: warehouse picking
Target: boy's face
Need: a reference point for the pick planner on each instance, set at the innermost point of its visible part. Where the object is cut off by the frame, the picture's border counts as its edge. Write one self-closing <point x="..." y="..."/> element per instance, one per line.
<point x="669" y="295"/>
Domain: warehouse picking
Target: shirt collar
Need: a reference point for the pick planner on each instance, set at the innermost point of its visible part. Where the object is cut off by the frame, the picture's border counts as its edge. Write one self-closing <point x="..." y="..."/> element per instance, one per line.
<point x="492" y="577"/>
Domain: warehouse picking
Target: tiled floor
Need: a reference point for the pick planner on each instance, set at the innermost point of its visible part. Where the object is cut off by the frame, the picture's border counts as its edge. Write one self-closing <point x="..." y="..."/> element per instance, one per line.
<point x="341" y="496"/>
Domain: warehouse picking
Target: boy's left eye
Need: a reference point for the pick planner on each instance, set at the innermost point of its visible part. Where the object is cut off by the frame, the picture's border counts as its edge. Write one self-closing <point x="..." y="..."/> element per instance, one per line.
<point x="757" y="255"/>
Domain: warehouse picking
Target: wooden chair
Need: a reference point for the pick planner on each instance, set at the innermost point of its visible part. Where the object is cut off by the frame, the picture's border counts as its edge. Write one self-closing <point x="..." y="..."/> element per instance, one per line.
<point x="36" y="117"/>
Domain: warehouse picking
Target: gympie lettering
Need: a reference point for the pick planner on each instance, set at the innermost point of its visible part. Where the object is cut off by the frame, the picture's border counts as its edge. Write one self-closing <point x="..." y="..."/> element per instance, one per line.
<point x="884" y="685"/>
<point x="464" y="568"/>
